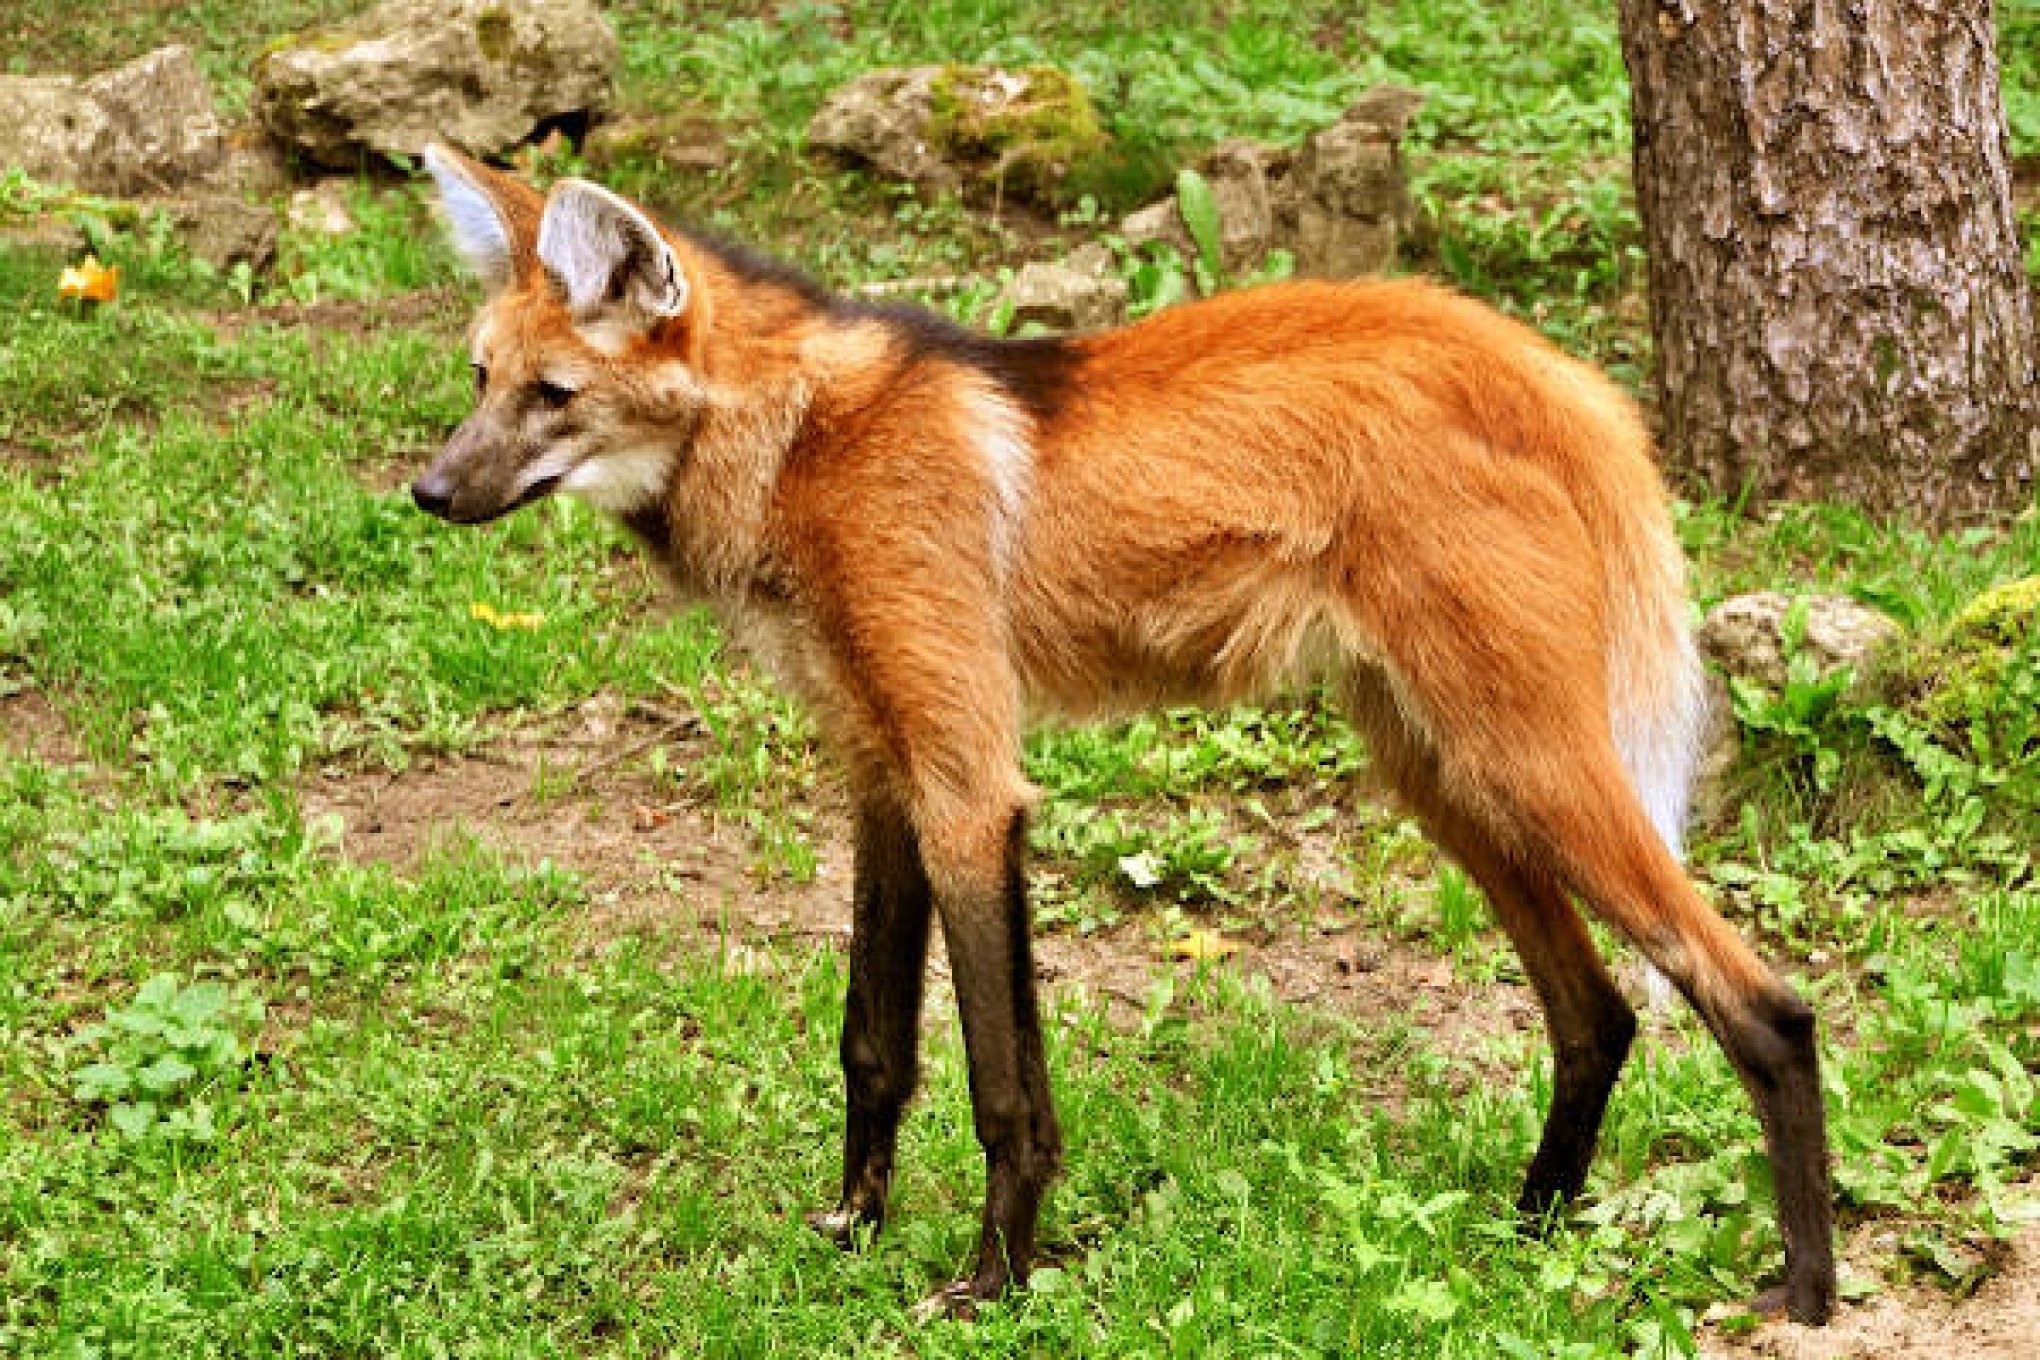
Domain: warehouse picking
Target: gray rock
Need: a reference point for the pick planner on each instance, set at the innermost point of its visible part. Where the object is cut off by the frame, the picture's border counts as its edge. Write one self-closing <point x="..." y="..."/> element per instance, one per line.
<point x="1340" y="202"/>
<point x="1158" y="223"/>
<point x="165" y="130"/>
<point x="50" y="128"/>
<point x="1720" y="747"/>
<point x="226" y="230"/>
<point x="1079" y="294"/>
<point x="1239" y="174"/>
<point x="1744" y="638"/>
<point x="1351" y="171"/>
<point x="1093" y="259"/>
<point x="1387" y="109"/>
<point x="685" y="142"/>
<point x="144" y="127"/>
<point x="483" y="74"/>
<point x="1741" y="636"/>
<point x="887" y="118"/>
<point x="1329" y="246"/>
<point x="961" y="127"/>
<point x="1353" y="203"/>
<point x="253" y="167"/>
<point x="1250" y="186"/>
<point x="1745" y="635"/>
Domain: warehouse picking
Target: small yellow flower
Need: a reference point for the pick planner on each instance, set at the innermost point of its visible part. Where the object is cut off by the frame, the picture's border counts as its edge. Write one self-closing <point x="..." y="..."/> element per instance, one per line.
<point x="498" y="619"/>
<point x="89" y="281"/>
<point x="1204" y="944"/>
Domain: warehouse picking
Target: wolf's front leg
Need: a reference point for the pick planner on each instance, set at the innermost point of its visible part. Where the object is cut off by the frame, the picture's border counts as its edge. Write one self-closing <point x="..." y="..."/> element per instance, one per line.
<point x="982" y="899"/>
<point x="882" y="1013"/>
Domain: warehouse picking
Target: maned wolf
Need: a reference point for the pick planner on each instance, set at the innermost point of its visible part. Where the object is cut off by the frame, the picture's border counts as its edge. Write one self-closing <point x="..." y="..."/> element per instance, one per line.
<point x="930" y="535"/>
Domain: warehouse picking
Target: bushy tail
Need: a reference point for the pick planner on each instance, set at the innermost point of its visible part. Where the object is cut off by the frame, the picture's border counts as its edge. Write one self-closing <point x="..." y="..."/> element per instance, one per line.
<point x="1657" y="692"/>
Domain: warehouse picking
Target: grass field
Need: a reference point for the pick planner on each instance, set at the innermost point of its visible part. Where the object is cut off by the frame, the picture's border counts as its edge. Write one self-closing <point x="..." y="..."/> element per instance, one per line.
<point x="291" y="1065"/>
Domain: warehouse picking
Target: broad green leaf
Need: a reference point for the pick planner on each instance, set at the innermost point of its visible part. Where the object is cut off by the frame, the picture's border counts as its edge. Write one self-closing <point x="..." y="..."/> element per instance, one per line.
<point x="133" y="1118"/>
<point x="1199" y="207"/>
<point x="166" y="1074"/>
<point x="1431" y="1300"/>
<point x="100" y="1081"/>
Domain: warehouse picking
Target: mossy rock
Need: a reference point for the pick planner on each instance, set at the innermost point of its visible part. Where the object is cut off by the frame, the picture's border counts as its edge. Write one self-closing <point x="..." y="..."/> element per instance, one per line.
<point x="1968" y="675"/>
<point x="1030" y="128"/>
<point x="485" y="75"/>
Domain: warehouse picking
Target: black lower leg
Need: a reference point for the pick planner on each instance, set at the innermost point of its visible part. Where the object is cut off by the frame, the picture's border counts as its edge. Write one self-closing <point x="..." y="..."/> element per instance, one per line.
<point x="1587" y="1056"/>
<point x="1773" y="1046"/>
<point x="1604" y="848"/>
<point x="1590" y="1024"/>
<point x="881" y="1014"/>
<point x="991" y="960"/>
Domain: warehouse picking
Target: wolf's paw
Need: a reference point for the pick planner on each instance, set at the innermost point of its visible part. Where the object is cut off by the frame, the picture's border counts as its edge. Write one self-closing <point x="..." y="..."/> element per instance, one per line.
<point x="1812" y="1306"/>
<point x="958" y="1300"/>
<point x="846" y="1227"/>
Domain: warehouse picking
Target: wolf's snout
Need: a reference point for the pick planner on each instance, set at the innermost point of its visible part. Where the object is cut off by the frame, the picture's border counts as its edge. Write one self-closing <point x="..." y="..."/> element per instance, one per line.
<point x="434" y="495"/>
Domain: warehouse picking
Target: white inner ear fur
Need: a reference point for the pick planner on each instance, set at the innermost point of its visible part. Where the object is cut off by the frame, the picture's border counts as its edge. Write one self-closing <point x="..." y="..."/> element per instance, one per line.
<point x="604" y="251"/>
<point x="478" y="230"/>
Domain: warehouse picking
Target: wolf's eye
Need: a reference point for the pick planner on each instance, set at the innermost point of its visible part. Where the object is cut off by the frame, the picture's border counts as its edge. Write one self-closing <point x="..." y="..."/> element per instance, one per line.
<point x="552" y="394"/>
<point x="481" y="378"/>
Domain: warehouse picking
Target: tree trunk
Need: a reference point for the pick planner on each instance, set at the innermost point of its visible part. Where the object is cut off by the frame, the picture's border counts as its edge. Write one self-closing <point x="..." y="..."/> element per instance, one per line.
<point x="1837" y="294"/>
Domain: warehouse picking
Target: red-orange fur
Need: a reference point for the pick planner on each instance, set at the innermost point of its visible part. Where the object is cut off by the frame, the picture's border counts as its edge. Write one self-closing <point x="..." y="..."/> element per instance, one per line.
<point x="1378" y="484"/>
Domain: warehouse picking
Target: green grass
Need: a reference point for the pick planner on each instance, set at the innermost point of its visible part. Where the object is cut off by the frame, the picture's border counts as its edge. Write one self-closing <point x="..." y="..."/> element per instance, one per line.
<point x="421" y="1110"/>
<point x="2019" y="56"/>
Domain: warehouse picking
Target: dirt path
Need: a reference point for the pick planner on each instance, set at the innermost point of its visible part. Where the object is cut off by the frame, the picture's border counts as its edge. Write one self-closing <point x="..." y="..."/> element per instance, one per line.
<point x="2001" y="1321"/>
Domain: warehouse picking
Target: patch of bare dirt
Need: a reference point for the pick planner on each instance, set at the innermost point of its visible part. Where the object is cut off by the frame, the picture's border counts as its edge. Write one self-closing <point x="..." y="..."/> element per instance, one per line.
<point x="51" y="452"/>
<point x="1355" y="975"/>
<point x="438" y="309"/>
<point x="36" y="461"/>
<point x="574" y="790"/>
<point x="432" y="308"/>
<point x="30" y="726"/>
<point x="2001" y="1321"/>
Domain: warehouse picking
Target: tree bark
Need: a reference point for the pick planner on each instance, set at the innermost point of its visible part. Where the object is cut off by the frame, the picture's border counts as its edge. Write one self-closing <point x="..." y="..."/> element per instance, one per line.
<point x="1837" y="294"/>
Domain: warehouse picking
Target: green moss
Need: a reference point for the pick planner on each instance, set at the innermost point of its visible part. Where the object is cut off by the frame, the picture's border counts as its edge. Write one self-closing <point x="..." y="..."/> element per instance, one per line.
<point x="1032" y="127"/>
<point x="1884" y="359"/>
<point x="1127" y="175"/>
<point x="1994" y="637"/>
<point x="318" y="40"/>
<point x="493" y="31"/>
<point x="2005" y="614"/>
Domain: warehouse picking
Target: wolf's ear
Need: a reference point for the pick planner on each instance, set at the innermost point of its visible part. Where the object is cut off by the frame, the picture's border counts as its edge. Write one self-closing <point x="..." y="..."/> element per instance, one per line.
<point x="492" y="218"/>
<point x="608" y="256"/>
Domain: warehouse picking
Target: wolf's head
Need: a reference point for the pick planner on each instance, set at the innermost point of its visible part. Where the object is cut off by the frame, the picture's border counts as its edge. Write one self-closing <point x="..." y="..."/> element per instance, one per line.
<point x="581" y="354"/>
